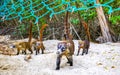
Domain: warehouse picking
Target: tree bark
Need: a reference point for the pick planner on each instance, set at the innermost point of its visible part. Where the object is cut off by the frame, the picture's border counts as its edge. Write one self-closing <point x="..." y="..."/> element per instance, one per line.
<point x="103" y="24"/>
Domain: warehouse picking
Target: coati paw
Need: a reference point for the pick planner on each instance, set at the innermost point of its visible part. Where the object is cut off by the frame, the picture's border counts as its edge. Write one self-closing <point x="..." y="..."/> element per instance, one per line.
<point x="42" y="52"/>
<point x="86" y="52"/>
<point x="71" y="63"/>
<point x="82" y="54"/>
<point x="17" y="54"/>
<point x="57" y="68"/>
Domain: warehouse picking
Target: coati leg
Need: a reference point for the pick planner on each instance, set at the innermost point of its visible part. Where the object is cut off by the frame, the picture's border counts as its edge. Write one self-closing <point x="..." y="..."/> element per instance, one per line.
<point x="83" y="51"/>
<point x="42" y="51"/>
<point x="58" y="62"/>
<point x="78" y="51"/>
<point x="86" y="51"/>
<point x="37" y="50"/>
<point x="18" y="51"/>
<point x="43" y="48"/>
<point x="24" y="51"/>
<point x="30" y="50"/>
<point x="87" y="45"/>
<point x="70" y="60"/>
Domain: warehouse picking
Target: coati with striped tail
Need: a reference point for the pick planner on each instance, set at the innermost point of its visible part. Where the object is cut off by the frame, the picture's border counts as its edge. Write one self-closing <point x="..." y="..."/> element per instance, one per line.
<point x="23" y="46"/>
<point x="86" y="43"/>
<point x="39" y="44"/>
<point x="66" y="46"/>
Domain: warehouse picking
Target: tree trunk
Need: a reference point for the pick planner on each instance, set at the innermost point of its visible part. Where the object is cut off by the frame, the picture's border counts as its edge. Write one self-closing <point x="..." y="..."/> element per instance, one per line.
<point x="103" y="24"/>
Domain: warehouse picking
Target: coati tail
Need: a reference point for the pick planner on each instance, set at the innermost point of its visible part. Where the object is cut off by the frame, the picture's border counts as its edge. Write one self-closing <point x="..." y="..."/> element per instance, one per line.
<point x="39" y="43"/>
<point x="41" y="31"/>
<point x="86" y="29"/>
<point x="30" y="32"/>
<point x="86" y="43"/>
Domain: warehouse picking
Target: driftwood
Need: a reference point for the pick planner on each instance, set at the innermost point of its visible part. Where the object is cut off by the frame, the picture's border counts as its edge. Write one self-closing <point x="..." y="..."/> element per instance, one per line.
<point x="5" y="50"/>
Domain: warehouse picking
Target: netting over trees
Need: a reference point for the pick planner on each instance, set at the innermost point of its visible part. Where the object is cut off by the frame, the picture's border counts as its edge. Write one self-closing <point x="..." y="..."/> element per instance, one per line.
<point x="24" y="9"/>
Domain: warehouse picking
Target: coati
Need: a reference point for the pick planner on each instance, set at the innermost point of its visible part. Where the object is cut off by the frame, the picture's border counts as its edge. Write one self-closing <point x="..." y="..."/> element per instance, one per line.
<point x="39" y="44"/>
<point x="65" y="48"/>
<point x="86" y="43"/>
<point x="24" y="45"/>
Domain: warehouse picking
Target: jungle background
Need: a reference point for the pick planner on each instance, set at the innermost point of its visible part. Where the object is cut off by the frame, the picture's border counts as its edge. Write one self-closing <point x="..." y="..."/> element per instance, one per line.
<point x="19" y="30"/>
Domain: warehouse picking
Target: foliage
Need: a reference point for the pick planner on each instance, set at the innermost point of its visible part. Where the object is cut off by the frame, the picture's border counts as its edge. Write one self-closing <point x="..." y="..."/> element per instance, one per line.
<point x="115" y="19"/>
<point x="22" y="29"/>
<point x="74" y="21"/>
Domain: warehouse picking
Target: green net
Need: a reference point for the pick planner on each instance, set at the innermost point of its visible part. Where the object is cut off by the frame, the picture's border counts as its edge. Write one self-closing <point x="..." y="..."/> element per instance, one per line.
<point x="24" y="9"/>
